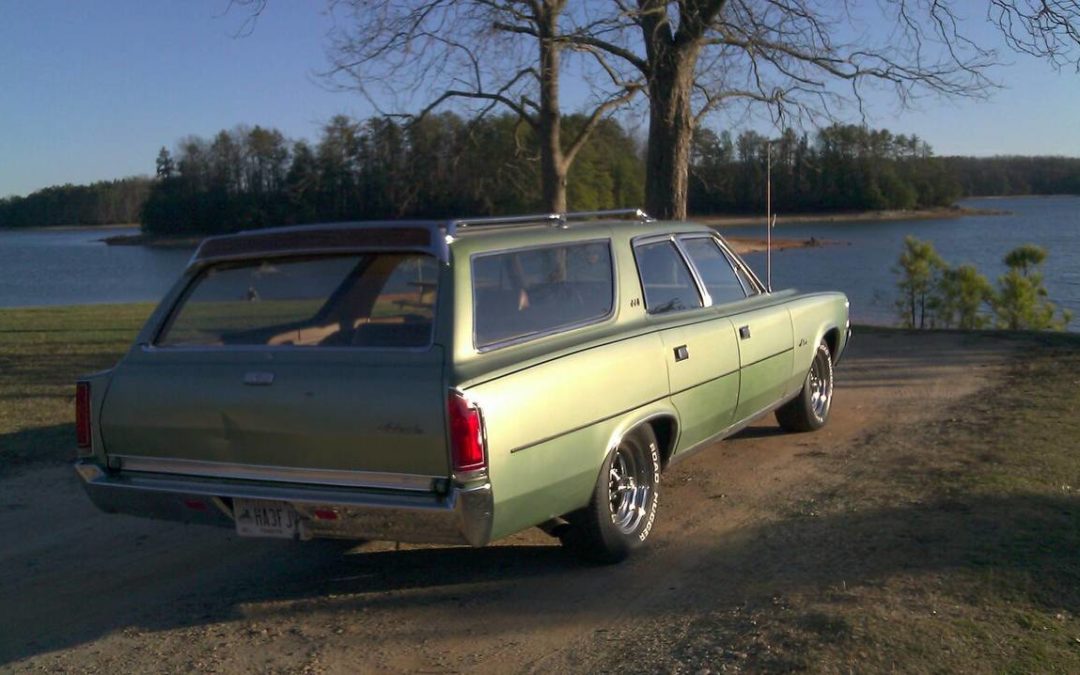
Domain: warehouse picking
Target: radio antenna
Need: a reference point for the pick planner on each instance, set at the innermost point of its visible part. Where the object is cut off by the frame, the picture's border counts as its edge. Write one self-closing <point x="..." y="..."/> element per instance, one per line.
<point x="768" y="216"/>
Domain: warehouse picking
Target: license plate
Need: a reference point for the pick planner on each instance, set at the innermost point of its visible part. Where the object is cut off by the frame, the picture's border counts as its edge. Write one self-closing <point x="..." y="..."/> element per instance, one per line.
<point x="264" y="518"/>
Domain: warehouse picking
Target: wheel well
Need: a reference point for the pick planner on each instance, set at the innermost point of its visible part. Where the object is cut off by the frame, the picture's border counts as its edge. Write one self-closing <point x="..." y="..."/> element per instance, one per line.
<point x="664" y="428"/>
<point x="832" y="338"/>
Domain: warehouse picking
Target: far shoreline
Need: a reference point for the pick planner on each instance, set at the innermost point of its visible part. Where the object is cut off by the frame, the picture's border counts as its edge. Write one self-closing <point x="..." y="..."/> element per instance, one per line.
<point x="885" y="215"/>
<point x="742" y="244"/>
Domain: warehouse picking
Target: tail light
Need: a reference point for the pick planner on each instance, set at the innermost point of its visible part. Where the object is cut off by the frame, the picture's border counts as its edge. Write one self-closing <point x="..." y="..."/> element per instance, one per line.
<point x="466" y="434"/>
<point x="82" y="415"/>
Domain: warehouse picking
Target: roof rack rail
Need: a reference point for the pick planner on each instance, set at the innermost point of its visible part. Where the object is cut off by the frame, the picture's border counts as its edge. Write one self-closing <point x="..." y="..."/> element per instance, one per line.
<point x="632" y="214"/>
<point x="553" y="219"/>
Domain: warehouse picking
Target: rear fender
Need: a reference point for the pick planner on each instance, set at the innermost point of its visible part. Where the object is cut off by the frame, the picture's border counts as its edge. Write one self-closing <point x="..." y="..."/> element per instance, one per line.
<point x="814" y="317"/>
<point x="659" y="411"/>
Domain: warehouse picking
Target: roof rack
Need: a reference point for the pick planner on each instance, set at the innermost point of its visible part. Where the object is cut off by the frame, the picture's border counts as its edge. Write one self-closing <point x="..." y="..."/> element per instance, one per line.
<point x="553" y="219"/>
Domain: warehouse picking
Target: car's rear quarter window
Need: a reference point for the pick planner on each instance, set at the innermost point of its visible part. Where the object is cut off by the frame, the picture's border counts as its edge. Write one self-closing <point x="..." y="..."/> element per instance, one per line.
<point x="530" y="292"/>
<point x="361" y="300"/>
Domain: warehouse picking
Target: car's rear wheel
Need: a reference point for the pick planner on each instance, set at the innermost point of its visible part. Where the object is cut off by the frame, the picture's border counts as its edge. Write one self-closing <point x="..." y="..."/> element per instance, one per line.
<point x="620" y="515"/>
<point x="809" y="410"/>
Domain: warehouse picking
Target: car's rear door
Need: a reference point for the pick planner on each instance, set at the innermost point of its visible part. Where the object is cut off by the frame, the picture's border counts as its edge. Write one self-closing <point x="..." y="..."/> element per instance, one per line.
<point x="290" y="368"/>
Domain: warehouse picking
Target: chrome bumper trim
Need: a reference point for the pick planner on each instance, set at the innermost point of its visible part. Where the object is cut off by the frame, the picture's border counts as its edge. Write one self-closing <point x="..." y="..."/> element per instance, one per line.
<point x="463" y="516"/>
<point x="280" y="474"/>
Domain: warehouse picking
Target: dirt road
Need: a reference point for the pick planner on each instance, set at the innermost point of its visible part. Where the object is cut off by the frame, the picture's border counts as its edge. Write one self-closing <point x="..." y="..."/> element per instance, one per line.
<point x="83" y="591"/>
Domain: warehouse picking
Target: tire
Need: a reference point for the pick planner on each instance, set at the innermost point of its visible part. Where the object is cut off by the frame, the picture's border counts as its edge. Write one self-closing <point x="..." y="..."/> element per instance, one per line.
<point x="809" y="411"/>
<point x="620" y="515"/>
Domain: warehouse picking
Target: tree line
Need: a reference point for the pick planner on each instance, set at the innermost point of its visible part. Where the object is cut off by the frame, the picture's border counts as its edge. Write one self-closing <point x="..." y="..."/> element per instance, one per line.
<point x="843" y="167"/>
<point x="101" y="203"/>
<point x="379" y="168"/>
<point x="1015" y="175"/>
<point x="442" y="165"/>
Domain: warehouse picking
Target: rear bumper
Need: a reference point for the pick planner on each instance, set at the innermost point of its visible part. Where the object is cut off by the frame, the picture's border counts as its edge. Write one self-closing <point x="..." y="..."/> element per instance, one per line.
<point x="462" y="516"/>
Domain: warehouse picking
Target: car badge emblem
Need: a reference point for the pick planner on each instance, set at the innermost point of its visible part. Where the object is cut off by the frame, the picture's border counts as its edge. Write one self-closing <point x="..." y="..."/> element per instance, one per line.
<point x="258" y="378"/>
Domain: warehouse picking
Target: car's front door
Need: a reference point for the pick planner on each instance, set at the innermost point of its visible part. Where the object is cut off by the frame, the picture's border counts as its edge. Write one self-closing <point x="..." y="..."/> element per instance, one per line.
<point x="764" y="337"/>
<point x="700" y="346"/>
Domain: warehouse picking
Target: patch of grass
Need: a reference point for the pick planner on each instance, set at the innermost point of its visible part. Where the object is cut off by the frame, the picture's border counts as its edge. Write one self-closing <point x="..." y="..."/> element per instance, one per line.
<point x="42" y="352"/>
<point x="964" y="536"/>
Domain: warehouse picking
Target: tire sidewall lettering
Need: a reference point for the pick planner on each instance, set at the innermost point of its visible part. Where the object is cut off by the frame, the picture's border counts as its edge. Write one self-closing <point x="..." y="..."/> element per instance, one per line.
<point x="654" y="455"/>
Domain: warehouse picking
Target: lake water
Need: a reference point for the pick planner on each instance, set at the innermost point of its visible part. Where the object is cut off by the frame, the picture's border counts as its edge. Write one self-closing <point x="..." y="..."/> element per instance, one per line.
<point x="74" y="267"/>
<point x="861" y="263"/>
<point x="64" y="267"/>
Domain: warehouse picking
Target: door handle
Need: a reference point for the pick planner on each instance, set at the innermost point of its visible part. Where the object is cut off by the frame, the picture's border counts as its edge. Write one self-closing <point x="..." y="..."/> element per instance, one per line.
<point x="682" y="353"/>
<point x="744" y="332"/>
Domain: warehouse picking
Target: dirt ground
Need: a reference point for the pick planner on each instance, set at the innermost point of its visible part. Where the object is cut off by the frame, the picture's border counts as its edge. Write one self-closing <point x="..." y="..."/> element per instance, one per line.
<point x="84" y="591"/>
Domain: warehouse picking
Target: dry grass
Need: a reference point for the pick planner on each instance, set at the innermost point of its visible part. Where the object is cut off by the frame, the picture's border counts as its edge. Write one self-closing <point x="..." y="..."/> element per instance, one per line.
<point x="42" y="352"/>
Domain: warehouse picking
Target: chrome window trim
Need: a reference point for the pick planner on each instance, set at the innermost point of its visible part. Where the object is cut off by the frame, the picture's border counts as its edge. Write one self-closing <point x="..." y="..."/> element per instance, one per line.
<point x="563" y="328"/>
<point x="277" y="349"/>
<point x="695" y="273"/>
<point x="277" y="474"/>
<point x="759" y="288"/>
<point x="646" y="240"/>
<point x="726" y="255"/>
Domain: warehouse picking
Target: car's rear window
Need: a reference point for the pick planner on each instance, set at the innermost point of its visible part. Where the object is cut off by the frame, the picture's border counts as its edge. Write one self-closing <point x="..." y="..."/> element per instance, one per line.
<point x="530" y="292"/>
<point x="362" y="300"/>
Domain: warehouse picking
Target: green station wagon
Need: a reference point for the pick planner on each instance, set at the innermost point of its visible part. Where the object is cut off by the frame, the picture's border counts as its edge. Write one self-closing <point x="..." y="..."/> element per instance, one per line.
<point x="449" y="382"/>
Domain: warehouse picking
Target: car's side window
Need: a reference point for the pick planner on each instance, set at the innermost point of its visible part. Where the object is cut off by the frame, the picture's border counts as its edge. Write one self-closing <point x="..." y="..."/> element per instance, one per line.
<point x="524" y="293"/>
<point x="665" y="278"/>
<point x="715" y="270"/>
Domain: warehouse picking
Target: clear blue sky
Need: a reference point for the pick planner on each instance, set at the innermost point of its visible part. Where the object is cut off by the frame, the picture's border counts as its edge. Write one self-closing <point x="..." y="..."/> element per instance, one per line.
<point x="92" y="90"/>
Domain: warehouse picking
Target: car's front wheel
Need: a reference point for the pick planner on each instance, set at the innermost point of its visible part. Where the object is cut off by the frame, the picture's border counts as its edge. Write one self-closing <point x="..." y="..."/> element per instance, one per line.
<point x="810" y="409"/>
<point x="621" y="513"/>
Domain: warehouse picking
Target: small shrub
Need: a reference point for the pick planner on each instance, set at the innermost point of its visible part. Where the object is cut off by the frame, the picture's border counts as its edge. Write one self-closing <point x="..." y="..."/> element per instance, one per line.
<point x="920" y="269"/>
<point x="1021" y="302"/>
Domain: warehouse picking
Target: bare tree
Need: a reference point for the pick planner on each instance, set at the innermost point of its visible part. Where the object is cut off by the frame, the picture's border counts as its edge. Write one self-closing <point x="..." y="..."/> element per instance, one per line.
<point x="805" y="59"/>
<point x="1048" y="29"/>
<point x="407" y="55"/>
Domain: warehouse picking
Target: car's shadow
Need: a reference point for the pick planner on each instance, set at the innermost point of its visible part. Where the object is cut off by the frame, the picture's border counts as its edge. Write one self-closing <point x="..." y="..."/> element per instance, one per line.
<point x="1028" y="541"/>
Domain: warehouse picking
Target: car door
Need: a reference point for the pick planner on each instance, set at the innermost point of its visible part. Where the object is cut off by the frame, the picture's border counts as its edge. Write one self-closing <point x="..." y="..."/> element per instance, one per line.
<point x="699" y="345"/>
<point x="764" y="343"/>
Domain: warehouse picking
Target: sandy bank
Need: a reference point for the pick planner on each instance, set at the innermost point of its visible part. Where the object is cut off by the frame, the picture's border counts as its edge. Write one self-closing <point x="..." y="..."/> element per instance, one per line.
<point x="848" y="216"/>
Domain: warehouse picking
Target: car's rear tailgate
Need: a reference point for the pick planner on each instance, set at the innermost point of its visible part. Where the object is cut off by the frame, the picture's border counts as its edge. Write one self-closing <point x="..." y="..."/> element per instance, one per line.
<point x="305" y="415"/>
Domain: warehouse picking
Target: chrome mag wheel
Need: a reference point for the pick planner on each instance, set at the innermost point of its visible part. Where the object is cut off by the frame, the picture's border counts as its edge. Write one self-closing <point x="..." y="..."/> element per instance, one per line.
<point x="810" y="409"/>
<point x="629" y="487"/>
<point x="621" y="513"/>
<point x="820" y="386"/>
